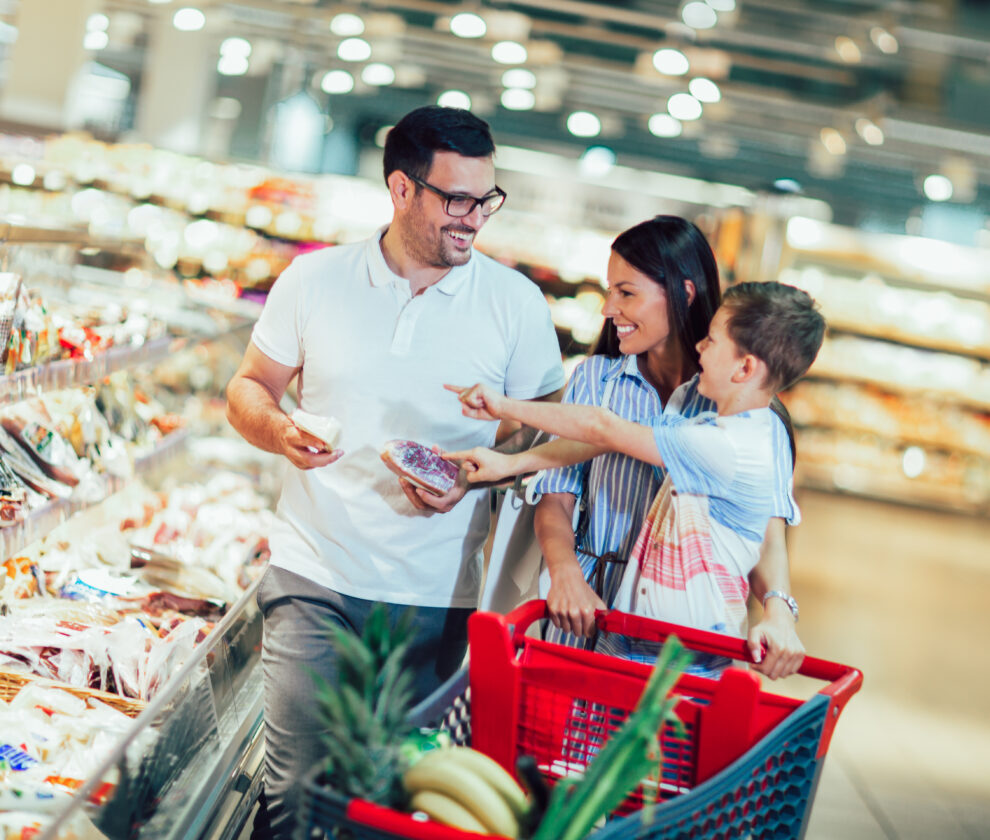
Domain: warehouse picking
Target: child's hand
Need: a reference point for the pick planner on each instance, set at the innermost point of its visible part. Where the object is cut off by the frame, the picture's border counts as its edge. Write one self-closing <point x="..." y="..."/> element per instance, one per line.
<point x="482" y="465"/>
<point x="479" y="401"/>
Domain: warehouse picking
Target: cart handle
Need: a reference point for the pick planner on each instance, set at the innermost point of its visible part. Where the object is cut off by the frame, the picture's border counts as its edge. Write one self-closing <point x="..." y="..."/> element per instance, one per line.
<point x="844" y="680"/>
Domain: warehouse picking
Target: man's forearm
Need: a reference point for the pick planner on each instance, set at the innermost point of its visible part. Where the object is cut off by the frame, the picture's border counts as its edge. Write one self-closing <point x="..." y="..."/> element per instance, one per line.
<point x="254" y="413"/>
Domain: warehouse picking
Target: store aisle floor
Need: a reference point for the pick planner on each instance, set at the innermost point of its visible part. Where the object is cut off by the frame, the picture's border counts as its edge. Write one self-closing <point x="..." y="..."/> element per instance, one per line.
<point x="903" y="594"/>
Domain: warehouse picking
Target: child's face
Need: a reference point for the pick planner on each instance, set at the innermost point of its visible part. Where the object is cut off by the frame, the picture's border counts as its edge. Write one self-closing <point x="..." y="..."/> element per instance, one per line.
<point x="637" y="306"/>
<point x="719" y="358"/>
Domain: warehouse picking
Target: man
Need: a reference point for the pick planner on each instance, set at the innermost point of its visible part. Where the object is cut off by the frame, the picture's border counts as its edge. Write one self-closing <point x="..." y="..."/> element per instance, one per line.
<point x="373" y="330"/>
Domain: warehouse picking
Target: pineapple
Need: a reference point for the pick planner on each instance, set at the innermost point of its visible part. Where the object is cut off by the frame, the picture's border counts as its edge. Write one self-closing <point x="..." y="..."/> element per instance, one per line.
<point x="365" y="713"/>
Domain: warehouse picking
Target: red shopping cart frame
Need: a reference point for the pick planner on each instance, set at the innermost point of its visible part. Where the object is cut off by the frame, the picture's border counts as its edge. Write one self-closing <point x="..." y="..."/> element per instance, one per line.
<point x="560" y="704"/>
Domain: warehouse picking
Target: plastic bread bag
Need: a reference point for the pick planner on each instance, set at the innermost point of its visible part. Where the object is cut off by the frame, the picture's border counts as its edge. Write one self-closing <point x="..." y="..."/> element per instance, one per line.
<point x="128" y="645"/>
<point x="167" y="657"/>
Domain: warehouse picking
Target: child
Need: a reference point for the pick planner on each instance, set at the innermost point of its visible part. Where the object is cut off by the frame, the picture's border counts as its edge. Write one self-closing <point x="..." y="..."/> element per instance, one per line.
<point x="702" y="537"/>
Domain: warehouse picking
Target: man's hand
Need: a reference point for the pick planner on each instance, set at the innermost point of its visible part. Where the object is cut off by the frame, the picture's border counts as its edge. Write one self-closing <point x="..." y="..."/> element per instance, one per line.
<point x="571" y="602"/>
<point x="785" y="653"/>
<point x="425" y="500"/>
<point x="479" y="401"/>
<point x="306" y="451"/>
<point x="481" y="464"/>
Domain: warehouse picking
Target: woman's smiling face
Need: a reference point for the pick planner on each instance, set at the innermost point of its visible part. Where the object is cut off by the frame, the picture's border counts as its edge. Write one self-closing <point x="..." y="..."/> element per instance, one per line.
<point x="637" y="306"/>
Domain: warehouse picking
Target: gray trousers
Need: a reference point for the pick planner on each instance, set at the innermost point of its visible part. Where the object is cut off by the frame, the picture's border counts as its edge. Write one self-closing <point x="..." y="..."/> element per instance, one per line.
<point x="296" y="614"/>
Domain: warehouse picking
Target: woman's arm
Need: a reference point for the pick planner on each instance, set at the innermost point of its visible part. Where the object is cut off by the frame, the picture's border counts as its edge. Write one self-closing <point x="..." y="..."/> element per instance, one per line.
<point x="777" y="628"/>
<point x="570" y="601"/>
<point x="584" y="423"/>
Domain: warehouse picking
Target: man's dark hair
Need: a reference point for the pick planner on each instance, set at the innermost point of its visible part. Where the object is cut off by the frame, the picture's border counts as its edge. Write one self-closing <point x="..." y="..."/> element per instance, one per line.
<point x="779" y="324"/>
<point x="411" y="143"/>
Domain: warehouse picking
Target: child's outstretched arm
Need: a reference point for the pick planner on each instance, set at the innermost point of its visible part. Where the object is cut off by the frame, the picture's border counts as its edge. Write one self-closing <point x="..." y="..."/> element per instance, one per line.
<point x="605" y="431"/>
<point x="486" y="465"/>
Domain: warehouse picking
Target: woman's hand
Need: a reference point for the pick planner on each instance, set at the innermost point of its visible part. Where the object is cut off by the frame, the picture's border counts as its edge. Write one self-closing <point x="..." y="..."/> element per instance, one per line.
<point x="784" y="651"/>
<point x="571" y="602"/>
<point x="481" y="464"/>
<point x="479" y="401"/>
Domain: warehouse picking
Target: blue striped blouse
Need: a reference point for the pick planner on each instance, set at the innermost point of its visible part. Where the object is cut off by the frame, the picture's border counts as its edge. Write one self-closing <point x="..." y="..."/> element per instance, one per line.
<point x="618" y="490"/>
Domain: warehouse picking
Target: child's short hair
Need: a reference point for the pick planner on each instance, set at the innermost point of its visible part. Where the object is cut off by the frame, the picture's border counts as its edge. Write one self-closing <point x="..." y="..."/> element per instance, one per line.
<point x="778" y="324"/>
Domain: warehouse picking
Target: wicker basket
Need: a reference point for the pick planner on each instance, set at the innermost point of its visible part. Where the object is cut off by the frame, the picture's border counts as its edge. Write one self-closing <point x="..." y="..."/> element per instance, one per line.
<point x="13" y="681"/>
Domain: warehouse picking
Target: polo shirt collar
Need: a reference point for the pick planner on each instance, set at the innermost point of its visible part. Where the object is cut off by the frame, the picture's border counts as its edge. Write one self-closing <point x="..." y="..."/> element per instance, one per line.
<point x="382" y="275"/>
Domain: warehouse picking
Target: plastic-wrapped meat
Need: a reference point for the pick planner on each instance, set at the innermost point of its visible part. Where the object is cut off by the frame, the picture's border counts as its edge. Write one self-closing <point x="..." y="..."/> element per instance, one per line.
<point x="28" y="471"/>
<point x="31" y="426"/>
<point x="13" y="495"/>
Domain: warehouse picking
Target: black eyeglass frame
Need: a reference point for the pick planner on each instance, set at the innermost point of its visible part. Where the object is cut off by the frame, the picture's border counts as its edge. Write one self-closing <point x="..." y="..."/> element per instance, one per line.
<point x="448" y="197"/>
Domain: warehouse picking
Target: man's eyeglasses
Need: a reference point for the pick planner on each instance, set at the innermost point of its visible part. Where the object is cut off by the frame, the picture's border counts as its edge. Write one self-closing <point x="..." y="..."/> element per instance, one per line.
<point x="458" y="205"/>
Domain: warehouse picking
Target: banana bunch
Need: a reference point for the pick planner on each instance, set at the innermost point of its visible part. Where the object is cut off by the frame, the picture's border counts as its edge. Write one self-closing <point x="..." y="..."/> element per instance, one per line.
<point x="463" y="788"/>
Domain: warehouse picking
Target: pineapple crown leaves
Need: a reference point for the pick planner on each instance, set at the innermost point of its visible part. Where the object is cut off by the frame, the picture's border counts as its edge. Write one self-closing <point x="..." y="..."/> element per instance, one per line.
<point x="365" y="713"/>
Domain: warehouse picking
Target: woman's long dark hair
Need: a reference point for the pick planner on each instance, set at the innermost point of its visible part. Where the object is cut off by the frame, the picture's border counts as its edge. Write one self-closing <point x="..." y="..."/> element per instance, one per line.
<point x="669" y="250"/>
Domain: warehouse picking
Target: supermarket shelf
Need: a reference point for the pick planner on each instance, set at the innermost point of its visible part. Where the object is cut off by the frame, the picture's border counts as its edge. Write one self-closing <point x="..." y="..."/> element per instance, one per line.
<point x="67" y="373"/>
<point x="890" y="274"/>
<point x="13" y="231"/>
<point x="41" y="521"/>
<point x="871" y="484"/>
<point x="16" y="232"/>
<point x="837" y="325"/>
<point x="934" y="444"/>
<point x="950" y="397"/>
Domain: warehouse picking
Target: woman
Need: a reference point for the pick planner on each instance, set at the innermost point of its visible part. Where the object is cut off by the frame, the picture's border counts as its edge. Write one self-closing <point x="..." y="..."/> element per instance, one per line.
<point x="663" y="290"/>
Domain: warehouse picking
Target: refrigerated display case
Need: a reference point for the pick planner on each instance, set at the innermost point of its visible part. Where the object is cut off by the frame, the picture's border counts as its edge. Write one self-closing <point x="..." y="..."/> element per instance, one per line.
<point x="190" y="764"/>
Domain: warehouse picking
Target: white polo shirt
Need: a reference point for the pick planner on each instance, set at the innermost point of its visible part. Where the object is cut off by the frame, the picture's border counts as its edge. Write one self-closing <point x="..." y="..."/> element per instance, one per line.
<point x="377" y="358"/>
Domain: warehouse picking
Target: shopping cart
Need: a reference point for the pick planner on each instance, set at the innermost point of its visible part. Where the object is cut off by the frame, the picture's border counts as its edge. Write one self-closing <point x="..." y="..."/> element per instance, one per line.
<point x="745" y="763"/>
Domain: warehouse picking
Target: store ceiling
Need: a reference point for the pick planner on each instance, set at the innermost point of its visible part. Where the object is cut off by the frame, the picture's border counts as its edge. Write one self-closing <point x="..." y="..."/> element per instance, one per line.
<point x="788" y="71"/>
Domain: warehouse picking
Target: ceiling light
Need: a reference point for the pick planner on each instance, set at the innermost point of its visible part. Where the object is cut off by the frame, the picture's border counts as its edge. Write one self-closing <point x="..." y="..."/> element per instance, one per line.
<point x="378" y="74"/>
<point x="938" y="188"/>
<point x="869" y="131"/>
<point x="699" y="15"/>
<point x="188" y="19"/>
<point x="468" y="25"/>
<point x="884" y="41"/>
<point x="382" y="135"/>
<point x="597" y="161"/>
<point x="584" y="124"/>
<point x="833" y="141"/>
<point x="23" y="175"/>
<point x="95" y="40"/>
<point x="722" y="5"/>
<point x="97" y="23"/>
<point x="346" y="25"/>
<point x="354" y="49"/>
<point x="231" y="64"/>
<point x="509" y="52"/>
<point x="337" y="81"/>
<point x="913" y="461"/>
<point x="454" y="99"/>
<point x="519" y="77"/>
<point x="664" y="125"/>
<point x="671" y="62"/>
<point x="787" y="185"/>
<point x="235" y="46"/>
<point x="847" y="50"/>
<point x="704" y="90"/>
<point x="683" y="106"/>
<point x="518" y="99"/>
